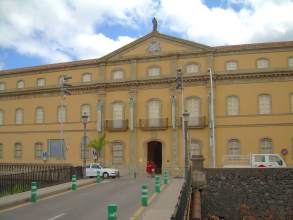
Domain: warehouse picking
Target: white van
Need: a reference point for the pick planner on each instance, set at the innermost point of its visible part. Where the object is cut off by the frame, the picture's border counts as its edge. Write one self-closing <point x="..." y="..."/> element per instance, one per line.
<point x="253" y="161"/>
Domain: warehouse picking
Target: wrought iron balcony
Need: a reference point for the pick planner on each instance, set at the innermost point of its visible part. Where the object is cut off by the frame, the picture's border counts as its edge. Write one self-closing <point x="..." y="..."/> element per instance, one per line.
<point x="117" y="125"/>
<point x="153" y="124"/>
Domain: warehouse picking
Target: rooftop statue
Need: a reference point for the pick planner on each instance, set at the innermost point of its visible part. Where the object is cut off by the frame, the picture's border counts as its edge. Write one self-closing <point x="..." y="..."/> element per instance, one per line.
<point x="155" y="24"/>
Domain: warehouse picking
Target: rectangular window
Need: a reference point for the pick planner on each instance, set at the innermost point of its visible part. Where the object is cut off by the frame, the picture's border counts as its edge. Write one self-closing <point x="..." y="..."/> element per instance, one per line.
<point x="17" y="151"/>
<point x="118" y="74"/>
<point x="155" y="71"/>
<point x="231" y="65"/>
<point x="192" y="68"/>
<point x="264" y="104"/>
<point x="117" y="154"/>
<point x="41" y="82"/>
<point x="1" y="117"/>
<point x="2" y="86"/>
<point x="20" y="84"/>
<point x="262" y="64"/>
<point x="290" y="62"/>
<point x="56" y="149"/>
<point x="233" y="105"/>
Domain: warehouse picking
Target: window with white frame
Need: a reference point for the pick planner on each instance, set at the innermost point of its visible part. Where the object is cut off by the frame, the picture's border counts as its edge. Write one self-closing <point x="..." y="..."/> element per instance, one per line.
<point x="232" y="105"/>
<point x="193" y="108"/>
<point x="61" y="111"/>
<point x="195" y="148"/>
<point x="264" y="104"/>
<point x="18" y="151"/>
<point x="86" y="77"/>
<point x="117" y="153"/>
<point x="262" y="63"/>
<point x="19" y="116"/>
<point x="231" y="65"/>
<point x="290" y="62"/>
<point x="154" y="112"/>
<point x="39" y="115"/>
<point x="20" y="84"/>
<point x="233" y="148"/>
<point x="291" y="102"/>
<point x="192" y="68"/>
<point x="118" y="75"/>
<point x="86" y="110"/>
<point x="117" y="111"/>
<point x="2" y="86"/>
<point x="1" y="117"/>
<point x="154" y="71"/>
<point x="41" y="82"/>
<point x="1" y="151"/>
<point x="39" y="150"/>
<point x="266" y="146"/>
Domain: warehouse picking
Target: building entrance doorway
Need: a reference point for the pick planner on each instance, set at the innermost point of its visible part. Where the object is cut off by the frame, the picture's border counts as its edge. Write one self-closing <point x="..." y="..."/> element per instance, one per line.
<point x="155" y="155"/>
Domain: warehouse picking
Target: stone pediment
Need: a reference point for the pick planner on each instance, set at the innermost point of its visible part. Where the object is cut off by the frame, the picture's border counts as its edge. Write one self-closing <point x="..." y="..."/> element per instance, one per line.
<point x="155" y="44"/>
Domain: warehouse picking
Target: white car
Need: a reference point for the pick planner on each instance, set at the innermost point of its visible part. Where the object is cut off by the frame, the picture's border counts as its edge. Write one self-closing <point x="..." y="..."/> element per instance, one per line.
<point x="92" y="168"/>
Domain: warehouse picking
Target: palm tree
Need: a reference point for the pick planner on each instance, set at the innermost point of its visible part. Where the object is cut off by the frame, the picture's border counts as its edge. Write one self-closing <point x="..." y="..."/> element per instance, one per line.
<point x="98" y="144"/>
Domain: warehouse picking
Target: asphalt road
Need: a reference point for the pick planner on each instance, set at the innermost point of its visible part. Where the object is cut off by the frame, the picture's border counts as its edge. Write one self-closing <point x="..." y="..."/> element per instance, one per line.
<point x="87" y="203"/>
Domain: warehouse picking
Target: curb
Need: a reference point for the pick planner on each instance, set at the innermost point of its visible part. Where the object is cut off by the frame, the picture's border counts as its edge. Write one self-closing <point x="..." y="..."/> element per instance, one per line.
<point x="41" y="195"/>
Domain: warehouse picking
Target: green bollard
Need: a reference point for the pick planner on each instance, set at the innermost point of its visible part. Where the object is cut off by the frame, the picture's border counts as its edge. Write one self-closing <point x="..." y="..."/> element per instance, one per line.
<point x="166" y="178"/>
<point x="98" y="178"/>
<point x="112" y="211"/>
<point x="144" y="195"/>
<point x="34" y="192"/>
<point x="73" y="183"/>
<point x="157" y="184"/>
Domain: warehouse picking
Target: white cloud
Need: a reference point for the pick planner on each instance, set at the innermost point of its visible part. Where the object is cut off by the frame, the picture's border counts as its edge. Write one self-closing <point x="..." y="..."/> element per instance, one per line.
<point x="58" y="31"/>
<point x="257" y="21"/>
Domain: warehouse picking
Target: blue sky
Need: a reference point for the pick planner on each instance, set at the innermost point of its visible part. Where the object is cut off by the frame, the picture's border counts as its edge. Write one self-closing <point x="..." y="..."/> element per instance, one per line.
<point x="64" y="30"/>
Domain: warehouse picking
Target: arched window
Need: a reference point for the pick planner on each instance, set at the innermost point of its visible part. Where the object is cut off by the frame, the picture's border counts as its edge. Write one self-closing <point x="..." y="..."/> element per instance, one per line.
<point x="193" y="107"/>
<point x="154" y="71"/>
<point x="117" y="74"/>
<point x="60" y="80"/>
<point x="41" y="82"/>
<point x="86" y="77"/>
<point x="264" y="104"/>
<point x="20" y="84"/>
<point x="17" y="150"/>
<point x="86" y="110"/>
<point x="231" y="65"/>
<point x="117" y="153"/>
<point x="232" y="105"/>
<point x="84" y="150"/>
<point x="1" y="117"/>
<point x="38" y="150"/>
<point x="39" y="117"/>
<point x="262" y="63"/>
<point x="290" y="62"/>
<point x="192" y="68"/>
<point x="1" y="151"/>
<point x="233" y="147"/>
<point x="154" y="113"/>
<point x="195" y="148"/>
<point x="2" y="86"/>
<point x="62" y="113"/>
<point x="266" y="146"/>
<point x="19" y="116"/>
<point x="118" y="114"/>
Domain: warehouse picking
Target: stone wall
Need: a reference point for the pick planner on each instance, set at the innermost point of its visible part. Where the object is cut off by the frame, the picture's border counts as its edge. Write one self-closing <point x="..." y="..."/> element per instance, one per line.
<point x="235" y="193"/>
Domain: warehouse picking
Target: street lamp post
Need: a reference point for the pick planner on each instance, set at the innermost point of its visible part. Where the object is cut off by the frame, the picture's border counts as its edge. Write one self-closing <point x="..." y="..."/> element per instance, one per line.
<point x="84" y="118"/>
<point x="185" y="116"/>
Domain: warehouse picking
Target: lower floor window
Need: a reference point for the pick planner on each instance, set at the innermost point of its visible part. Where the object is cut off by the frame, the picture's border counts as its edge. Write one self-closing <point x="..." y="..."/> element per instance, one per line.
<point x="117" y="154"/>
<point x="56" y="149"/>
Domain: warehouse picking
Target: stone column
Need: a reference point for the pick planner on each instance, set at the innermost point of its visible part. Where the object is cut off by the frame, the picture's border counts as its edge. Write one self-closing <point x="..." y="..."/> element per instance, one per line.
<point x="133" y="132"/>
<point x="102" y="71"/>
<point x="173" y="65"/>
<point x="133" y="68"/>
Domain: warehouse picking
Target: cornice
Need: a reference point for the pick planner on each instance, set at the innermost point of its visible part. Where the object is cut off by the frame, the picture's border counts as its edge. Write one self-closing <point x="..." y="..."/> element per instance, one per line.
<point x="151" y="83"/>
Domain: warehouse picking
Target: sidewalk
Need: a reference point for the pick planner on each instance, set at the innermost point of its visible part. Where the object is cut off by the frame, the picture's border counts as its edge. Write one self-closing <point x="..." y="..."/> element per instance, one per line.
<point x="20" y="198"/>
<point x="164" y="204"/>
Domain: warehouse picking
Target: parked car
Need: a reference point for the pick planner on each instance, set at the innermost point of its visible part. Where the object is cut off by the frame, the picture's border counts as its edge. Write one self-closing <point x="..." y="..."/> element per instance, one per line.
<point x="254" y="161"/>
<point x="92" y="168"/>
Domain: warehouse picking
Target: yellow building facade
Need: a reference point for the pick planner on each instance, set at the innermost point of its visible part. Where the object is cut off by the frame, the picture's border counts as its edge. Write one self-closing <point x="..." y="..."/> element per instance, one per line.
<point x="131" y="96"/>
